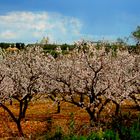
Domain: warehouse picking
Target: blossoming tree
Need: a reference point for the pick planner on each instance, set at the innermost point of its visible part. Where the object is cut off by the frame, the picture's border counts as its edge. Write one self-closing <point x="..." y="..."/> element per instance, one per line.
<point x="81" y="78"/>
<point x="21" y="79"/>
<point x="90" y="78"/>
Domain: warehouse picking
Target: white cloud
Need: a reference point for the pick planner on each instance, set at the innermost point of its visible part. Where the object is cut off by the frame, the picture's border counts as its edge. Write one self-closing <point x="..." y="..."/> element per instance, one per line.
<point x="8" y="35"/>
<point x="32" y="26"/>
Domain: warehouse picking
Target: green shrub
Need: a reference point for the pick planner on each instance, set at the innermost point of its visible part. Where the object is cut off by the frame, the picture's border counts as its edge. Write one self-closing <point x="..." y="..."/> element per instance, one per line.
<point x="111" y="135"/>
<point x="119" y="131"/>
<point x="135" y="130"/>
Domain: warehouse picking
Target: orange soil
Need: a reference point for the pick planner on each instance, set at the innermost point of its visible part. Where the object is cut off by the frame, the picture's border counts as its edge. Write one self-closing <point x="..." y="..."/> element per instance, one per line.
<point x="41" y="117"/>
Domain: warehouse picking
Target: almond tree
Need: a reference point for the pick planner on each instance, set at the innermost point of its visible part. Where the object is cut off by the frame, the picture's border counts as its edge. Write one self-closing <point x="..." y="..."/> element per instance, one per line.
<point x="90" y="78"/>
<point x="134" y="82"/>
<point x="81" y="78"/>
<point x="122" y="78"/>
<point x="21" y="79"/>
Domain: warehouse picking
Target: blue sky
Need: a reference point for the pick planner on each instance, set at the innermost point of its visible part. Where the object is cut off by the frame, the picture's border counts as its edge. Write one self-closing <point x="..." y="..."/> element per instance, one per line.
<point x="65" y="21"/>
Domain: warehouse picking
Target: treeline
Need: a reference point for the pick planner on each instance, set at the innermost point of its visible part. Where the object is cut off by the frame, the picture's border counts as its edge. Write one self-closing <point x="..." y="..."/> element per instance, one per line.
<point x="56" y="49"/>
<point x="65" y="46"/>
<point x="115" y="47"/>
<point x="12" y="45"/>
<point x="53" y="49"/>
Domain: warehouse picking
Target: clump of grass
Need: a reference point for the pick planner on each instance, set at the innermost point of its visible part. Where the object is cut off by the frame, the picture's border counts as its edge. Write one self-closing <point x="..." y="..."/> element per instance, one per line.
<point x="121" y="132"/>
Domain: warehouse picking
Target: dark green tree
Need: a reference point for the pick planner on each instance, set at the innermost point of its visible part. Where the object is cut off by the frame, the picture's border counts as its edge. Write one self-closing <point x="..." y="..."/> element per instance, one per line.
<point x="136" y="35"/>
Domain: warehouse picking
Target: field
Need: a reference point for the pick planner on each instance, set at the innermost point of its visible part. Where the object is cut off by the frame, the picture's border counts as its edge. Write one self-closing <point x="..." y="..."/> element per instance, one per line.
<point x="42" y="118"/>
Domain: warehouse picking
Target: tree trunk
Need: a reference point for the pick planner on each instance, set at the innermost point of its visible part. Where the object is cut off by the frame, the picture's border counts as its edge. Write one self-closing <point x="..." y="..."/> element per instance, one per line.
<point x="93" y="118"/>
<point x="20" y="131"/>
<point x="137" y="106"/>
<point x="17" y="121"/>
<point x="117" y="108"/>
<point x="25" y="103"/>
<point x="58" y="107"/>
